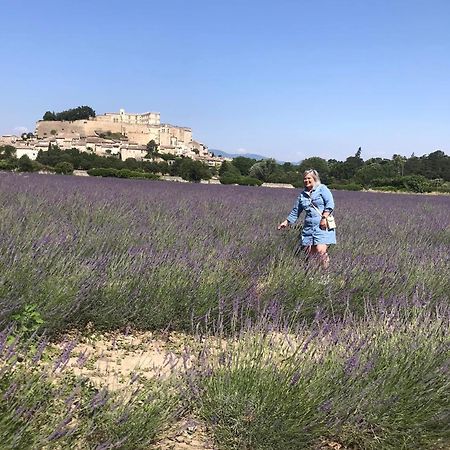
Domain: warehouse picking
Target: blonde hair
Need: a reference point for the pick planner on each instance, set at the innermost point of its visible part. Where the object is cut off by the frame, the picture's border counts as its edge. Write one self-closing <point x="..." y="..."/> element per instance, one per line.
<point x="313" y="173"/>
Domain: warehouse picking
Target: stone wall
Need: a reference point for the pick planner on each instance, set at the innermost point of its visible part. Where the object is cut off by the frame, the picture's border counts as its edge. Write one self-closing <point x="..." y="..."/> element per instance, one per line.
<point x="165" y="135"/>
<point x="82" y="128"/>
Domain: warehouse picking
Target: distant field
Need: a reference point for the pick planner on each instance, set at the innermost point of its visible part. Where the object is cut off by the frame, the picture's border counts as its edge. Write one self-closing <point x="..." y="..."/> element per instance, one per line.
<point x="359" y="357"/>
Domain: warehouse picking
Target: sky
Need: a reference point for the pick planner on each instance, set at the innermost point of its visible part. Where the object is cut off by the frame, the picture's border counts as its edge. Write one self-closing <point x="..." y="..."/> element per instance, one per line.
<point x="288" y="79"/>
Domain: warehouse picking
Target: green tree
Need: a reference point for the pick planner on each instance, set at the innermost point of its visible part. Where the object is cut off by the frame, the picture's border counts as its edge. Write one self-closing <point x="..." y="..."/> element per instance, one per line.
<point x="194" y="170"/>
<point x="366" y="174"/>
<point x="64" y="168"/>
<point x="319" y="164"/>
<point x="289" y="167"/>
<point x="7" y="152"/>
<point x="131" y="164"/>
<point x="163" y="167"/>
<point x="243" y="164"/>
<point x="152" y="149"/>
<point x="399" y="161"/>
<point x="49" y="116"/>
<point x="229" y="168"/>
<point x="262" y="170"/>
<point x="78" y="113"/>
<point x="25" y="164"/>
<point x="346" y="170"/>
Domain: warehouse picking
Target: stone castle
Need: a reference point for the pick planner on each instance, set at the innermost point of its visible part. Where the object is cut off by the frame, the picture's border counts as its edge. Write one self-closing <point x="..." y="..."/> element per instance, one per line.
<point x="127" y="128"/>
<point x="121" y="134"/>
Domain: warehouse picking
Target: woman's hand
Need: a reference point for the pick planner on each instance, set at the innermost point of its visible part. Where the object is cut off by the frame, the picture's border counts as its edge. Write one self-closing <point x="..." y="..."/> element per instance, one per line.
<point x="283" y="225"/>
<point x="323" y="224"/>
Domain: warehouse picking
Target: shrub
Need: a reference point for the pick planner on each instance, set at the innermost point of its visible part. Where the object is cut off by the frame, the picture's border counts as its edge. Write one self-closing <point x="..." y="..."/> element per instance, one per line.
<point x="346" y="187"/>
<point x="103" y="172"/>
<point x="416" y="183"/>
<point x="64" y="168"/>
<point x="233" y="178"/>
<point x="25" y="164"/>
<point x="445" y="189"/>
<point x="121" y="173"/>
<point x="249" y="181"/>
<point x="229" y="178"/>
<point x="8" y="164"/>
<point x="412" y="183"/>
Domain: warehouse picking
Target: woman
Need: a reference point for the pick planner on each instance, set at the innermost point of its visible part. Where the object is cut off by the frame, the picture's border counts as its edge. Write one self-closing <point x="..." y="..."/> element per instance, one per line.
<point x="317" y="202"/>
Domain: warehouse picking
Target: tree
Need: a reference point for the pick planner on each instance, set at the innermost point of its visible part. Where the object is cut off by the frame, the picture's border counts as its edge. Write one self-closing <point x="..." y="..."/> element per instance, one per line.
<point x="78" y="113"/>
<point x="7" y="152"/>
<point x="319" y="164"/>
<point x="25" y="164"/>
<point x="152" y="149"/>
<point x="227" y="167"/>
<point x="399" y="162"/>
<point x="289" y="167"/>
<point x="369" y="172"/>
<point x="194" y="170"/>
<point x="49" y="116"/>
<point x="131" y="164"/>
<point x="346" y="170"/>
<point x="243" y="164"/>
<point x="263" y="169"/>
<point x="64" y="168"/>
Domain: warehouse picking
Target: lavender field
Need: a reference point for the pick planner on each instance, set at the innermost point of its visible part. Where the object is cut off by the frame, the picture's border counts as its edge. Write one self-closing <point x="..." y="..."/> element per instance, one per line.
<point x="359" y="356"/>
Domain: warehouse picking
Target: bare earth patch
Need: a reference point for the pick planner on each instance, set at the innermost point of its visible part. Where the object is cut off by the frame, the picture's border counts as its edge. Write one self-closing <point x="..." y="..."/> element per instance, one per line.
<point x="112" y="360"/>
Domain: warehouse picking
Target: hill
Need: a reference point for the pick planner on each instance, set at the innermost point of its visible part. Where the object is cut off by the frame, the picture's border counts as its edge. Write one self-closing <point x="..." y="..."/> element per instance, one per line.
<point x="235" y="155"/>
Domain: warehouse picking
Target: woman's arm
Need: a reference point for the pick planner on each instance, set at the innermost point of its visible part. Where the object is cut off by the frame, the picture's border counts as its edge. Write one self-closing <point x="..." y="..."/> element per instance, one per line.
<point x="328" y="201"/>
<point x="293" y="215"/>
<point x="328" y="206"/>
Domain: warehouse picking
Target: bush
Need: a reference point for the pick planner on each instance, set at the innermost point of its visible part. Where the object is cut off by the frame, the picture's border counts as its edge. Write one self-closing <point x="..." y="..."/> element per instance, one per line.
<point x="386" y="189"/>
<point x="25" y="164"/>
<point x="249" y="181"/>
<point x="122" y="173"/>
<point x="443" y="189"/>
<point x="229" y="178"/>
<point x="8" y="164"/>
<point x="346" y="187"/>
<point x="233" y="178"/>
<point x="64" y="168"/>
<point x="103" y="172"/>
<point x="412" y="183"/>
<point x="416" y="183"/>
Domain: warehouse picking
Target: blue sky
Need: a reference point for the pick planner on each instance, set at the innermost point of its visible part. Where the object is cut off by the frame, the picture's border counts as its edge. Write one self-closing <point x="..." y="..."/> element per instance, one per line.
<point x="288" y="79"/>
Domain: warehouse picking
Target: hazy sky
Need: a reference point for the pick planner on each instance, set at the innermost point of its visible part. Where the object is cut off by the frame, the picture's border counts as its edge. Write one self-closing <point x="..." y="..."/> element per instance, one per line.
<point x="286" y="78"/>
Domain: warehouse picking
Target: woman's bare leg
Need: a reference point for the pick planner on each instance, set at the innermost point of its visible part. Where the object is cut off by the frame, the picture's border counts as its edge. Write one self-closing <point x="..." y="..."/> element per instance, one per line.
<point x="320" y="250"/>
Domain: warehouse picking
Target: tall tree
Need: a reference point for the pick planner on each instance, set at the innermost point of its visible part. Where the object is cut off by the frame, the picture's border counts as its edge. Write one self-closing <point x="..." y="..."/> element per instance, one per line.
<point x="243" y="164"/>
<point x="263" y="169"/>
<point x="319" y="164"/>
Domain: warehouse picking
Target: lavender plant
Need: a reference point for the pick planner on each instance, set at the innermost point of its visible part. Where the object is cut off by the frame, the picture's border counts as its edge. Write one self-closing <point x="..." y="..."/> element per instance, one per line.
<point x="155" y="254"/>
<point x="44" y="405"/>
<point x="361" y="359"/>
<point x="377" y="383"/>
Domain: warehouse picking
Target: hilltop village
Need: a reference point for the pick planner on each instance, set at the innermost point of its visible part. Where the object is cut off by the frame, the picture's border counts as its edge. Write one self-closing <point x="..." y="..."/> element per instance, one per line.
<point x="123" y="135"/>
